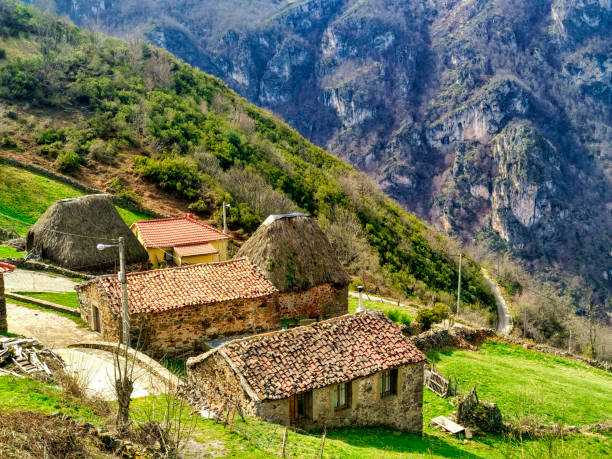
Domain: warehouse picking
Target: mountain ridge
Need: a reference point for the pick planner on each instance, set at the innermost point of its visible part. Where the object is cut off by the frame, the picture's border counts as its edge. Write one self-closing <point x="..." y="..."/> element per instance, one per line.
<point x="413" y="93"/>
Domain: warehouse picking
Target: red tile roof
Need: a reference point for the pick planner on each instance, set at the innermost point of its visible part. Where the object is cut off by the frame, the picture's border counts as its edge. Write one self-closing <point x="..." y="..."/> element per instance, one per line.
<point x="6" y="268"/>
<point x="172" y="232"/>
<point x="167" y="289"/>
<point x="279" y="364"/>
<point x="194" y="250"/>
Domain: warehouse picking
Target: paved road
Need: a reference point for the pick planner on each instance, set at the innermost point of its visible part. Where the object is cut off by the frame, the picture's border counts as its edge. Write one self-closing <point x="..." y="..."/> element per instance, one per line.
<point x="22" y="280"/>
<point x="504" y="321"/>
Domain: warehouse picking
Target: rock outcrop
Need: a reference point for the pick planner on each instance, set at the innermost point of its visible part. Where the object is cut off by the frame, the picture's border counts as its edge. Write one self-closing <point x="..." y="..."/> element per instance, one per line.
<point x="484" y="116"/>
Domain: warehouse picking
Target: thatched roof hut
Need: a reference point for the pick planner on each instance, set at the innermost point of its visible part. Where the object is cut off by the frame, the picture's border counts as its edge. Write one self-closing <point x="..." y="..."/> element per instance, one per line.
<point x="68" y="232"/>
<point x="294" y="253"/>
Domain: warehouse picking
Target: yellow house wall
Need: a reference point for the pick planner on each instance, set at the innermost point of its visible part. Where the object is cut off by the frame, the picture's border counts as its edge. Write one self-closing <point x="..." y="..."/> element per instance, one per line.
<point x="196" y="259"/>
<point x="156" y="255"/>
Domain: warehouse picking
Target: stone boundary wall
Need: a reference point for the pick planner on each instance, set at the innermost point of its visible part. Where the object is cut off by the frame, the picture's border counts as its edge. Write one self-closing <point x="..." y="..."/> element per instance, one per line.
<point x="469" y="338"/>
<point x="546" y="349"/>
<point x="46" y="304"/>
<point x="40" y="266"/>
<point x="144" y="361"/>
<point x="459" y="337"/>
<point x="126" y="204"/>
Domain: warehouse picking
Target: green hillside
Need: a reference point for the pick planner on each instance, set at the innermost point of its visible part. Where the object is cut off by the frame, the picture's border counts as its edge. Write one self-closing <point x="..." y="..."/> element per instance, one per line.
<point x="24" y="196"/>
<point x="83" y="102"/>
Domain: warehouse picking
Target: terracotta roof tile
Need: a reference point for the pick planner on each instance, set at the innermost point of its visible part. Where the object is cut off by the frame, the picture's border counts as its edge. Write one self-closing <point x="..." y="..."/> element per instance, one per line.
<point x="167" y="289"/>
<point x="194" y="250"/>
<point x="172" y="232"/>
<point x="6" y="268"/>
<point x="279" y="364"/>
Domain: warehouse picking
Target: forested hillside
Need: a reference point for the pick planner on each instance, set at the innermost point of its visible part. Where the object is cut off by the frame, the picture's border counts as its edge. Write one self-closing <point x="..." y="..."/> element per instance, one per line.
<point x="98" y="108"/>
<point x="488" y="118"/>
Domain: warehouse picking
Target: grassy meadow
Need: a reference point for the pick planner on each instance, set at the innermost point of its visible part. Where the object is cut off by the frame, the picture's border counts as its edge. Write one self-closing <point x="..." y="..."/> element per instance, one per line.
<point x="68" y="299"/>
<point x="395" y="313"/>
<point x="524" y="382"/>
<point x="25" y="196"/>
<point x="257" y="439"/>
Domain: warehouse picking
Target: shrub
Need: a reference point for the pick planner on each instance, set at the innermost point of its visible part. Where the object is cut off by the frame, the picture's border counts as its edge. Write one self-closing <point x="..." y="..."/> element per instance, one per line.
<point x="199" y="206"/>
<point x="104" y="152"/>
<point x="429" y="316"/>
<point x="68" y="161"/>
<point x="50" y="135"/>
<point x="7" y="142"/>
<point x="399" y="317"/>
<point x="50" y="151"/>
<point x="171" y="173"/>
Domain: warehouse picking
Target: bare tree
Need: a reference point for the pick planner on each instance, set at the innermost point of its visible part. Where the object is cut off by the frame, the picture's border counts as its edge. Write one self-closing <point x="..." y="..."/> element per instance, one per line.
<point x="124" y="363"/>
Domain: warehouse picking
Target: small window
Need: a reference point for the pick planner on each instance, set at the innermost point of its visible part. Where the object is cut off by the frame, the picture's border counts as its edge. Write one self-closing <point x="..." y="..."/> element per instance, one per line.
<point x="300" y="406"/>
<point x="388" y="383"/>
<point x="342" y="395"/>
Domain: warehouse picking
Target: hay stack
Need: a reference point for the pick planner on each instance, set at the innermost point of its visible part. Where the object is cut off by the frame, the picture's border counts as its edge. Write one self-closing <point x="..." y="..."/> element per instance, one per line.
<point x="294" y="253"/>
<point x="53" y="237"/>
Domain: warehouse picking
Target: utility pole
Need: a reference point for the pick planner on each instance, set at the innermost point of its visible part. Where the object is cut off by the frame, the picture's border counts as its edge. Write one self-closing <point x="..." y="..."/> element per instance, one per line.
<point x="124" y="297"/>
<point x="459" y="286"/>
<point x="225" y="217"/>
<point x="569" y="345"/>
<point x="525" y="323"/>
<point x="125" y="313"/>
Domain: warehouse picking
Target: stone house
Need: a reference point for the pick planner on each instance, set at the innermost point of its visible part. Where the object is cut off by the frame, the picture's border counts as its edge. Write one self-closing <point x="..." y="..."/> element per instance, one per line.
<point x="353" y="370"/>
<point x="296" y="257"/>
<point x="181" y="240"/>
<point x="177" y="310"/>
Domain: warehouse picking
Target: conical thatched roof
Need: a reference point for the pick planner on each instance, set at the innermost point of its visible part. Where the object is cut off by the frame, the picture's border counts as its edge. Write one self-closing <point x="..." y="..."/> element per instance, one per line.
<point x="294" y="253"/>
<point x="68" y="232"/>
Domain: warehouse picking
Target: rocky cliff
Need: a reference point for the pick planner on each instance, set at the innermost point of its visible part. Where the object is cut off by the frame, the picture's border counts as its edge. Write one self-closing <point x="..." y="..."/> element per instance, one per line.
<point x="483" y="116"/>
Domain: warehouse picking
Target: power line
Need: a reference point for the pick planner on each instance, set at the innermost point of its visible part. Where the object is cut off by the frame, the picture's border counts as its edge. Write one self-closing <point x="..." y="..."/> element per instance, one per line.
<point x="46" y="228"/>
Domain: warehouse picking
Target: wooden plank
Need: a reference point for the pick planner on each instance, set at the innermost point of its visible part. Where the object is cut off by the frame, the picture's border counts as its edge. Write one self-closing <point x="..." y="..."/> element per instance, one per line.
<point x="448" y="425"/>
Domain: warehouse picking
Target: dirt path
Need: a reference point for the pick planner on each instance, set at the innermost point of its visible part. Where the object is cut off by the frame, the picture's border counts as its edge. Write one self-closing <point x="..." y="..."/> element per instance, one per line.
<point x="96" y="366"/>
<point x="22" y="280"/>
<point x="51" y="329"/>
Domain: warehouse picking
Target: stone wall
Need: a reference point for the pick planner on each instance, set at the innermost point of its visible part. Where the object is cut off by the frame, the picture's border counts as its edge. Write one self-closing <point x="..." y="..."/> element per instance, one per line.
<point x="3" y="321"/>
<point x="403" y="411"/>
<point x="184" y="331"/>
<point x="110" y="325"/>
<point x="321" y="301"/>
<point x="216" y="380"/>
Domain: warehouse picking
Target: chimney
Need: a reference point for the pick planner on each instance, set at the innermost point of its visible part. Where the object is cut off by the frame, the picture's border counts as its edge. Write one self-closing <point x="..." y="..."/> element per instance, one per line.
<point x="360" y="308"/>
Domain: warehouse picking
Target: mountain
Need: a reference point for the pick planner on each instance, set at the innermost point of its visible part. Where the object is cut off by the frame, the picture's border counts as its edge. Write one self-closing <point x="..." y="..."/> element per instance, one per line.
<point x="488" y="118"/>
<point x="138" y="122"/>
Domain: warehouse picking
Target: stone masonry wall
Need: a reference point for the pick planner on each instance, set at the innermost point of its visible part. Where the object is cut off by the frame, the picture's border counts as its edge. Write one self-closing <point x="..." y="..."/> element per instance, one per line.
<point x="110" y="324"/>
<point x="185" y="330"/>
<point x="403" y="411"/>
<point x="321" y="301"/>
<point x="215" y="379"/>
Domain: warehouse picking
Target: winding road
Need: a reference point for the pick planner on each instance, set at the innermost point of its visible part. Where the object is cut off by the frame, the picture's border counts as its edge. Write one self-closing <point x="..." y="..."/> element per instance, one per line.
<point x="504" y="321"/>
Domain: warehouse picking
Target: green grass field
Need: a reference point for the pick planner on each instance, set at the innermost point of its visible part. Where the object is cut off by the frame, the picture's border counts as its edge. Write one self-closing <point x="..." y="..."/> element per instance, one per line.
<point x="27" y="304"/>
<point x="25" y="196"/>
<point x="395" y="313"/>
<point x="68" y="299"/>
<point x="9" y="252"/>
<point x="524" y="382"/>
